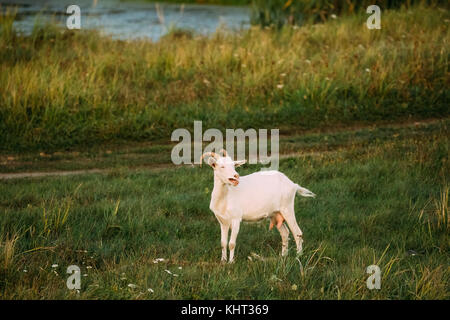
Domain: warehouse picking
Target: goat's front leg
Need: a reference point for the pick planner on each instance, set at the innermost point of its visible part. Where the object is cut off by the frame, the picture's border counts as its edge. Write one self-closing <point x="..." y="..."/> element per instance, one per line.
<point x="223" y="240"/>
<point x="235" y="224"/>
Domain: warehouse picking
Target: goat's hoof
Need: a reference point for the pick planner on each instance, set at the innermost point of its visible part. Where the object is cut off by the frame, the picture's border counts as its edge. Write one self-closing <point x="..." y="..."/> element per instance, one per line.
<point x="231" y="261"/>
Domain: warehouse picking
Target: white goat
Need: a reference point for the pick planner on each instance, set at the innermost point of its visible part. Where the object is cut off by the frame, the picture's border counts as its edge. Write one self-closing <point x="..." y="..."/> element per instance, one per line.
<point x="264" y="194"/>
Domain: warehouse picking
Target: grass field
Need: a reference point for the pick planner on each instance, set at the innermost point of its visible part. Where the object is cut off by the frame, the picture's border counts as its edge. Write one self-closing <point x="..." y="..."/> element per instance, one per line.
<point x="62" y="89"/>
<point x="364" y="123"/>
<point x="382" y="199"/>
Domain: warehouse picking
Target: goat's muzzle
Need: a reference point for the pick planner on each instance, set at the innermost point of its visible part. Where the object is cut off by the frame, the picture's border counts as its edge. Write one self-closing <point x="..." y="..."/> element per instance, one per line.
<point x="235" y="180"/>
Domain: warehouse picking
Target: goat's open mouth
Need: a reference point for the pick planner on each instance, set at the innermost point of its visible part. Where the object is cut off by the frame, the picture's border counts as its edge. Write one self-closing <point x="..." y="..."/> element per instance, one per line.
<point x="234" y="181"/>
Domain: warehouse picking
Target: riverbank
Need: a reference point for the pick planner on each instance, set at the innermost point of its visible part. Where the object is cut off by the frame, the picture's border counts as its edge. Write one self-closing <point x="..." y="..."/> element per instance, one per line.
<point x="63" y="89"/>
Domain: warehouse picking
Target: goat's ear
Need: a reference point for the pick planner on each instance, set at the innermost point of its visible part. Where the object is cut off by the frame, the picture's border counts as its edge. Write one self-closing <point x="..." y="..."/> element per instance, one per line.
<point x="212" y="162"/>
<point x="239" y="163"/>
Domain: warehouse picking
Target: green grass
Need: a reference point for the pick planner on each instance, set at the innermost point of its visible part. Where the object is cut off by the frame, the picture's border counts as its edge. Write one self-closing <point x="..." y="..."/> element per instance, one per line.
<point x="61" y="89"/>
<point x="364" y="123"/>
<point x="382" y="195"/>
<point x="278" y="13"/>
<point x="157" y="154"/>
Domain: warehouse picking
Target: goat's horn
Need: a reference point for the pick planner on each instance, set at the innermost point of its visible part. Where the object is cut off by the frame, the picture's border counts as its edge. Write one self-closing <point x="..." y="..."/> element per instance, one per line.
<point x="224" y="152"/>
<point x="211" y="154"/>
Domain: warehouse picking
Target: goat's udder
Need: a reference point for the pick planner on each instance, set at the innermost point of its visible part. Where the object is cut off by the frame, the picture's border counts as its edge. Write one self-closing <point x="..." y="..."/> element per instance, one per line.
<point x="277" y="219"/>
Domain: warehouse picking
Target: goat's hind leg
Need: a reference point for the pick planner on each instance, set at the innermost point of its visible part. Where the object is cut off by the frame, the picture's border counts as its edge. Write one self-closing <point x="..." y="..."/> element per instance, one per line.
<point x="277" y="219"/>
<point x="284" y="232"/>
<point x="289" y="216"/>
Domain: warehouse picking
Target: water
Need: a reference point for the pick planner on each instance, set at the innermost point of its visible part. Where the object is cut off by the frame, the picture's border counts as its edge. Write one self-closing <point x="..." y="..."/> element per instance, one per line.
<point x="132" y="19"/>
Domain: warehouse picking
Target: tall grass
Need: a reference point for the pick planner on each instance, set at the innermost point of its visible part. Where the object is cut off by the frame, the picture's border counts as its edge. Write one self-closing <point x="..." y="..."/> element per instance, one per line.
<point x="7" y="250"/>
<point x="62" y="88"/>
<point x="7" y="16"/>
<point x="435" y="213"/>
<point x="298" y="12"/>
<point x="54" y="219"/>
<point x="367" y="211"/>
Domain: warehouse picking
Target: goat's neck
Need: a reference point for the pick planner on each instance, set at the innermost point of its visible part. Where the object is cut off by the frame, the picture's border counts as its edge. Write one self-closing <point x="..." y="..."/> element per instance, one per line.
<point x="219" y="194"/>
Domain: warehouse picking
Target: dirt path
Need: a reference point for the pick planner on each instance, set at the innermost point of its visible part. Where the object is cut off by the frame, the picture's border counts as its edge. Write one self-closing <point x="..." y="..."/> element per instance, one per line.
<point x="40" y="174"/>
<point x="165" y="166"/>
<point x="21" y="175"/>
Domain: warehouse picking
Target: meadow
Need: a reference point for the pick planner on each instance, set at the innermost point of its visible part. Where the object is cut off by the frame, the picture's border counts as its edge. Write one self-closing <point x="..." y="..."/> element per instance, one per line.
<point x="62" y="89"/>
<point x="382" y="198"/>
<point x="364" y="123"/>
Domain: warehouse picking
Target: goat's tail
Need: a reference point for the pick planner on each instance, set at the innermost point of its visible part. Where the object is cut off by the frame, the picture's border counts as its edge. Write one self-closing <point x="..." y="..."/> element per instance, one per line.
<point x="304" y="192"/>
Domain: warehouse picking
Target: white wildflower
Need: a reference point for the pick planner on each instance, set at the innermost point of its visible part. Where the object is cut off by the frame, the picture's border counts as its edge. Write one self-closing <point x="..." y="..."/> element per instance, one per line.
<point x="275" y="278"/>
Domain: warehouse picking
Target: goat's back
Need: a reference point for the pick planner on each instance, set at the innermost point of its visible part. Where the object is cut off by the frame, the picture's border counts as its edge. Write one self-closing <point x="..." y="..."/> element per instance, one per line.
<point x="261" y="193"/>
